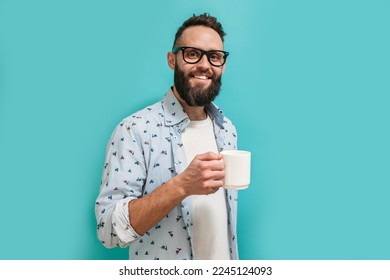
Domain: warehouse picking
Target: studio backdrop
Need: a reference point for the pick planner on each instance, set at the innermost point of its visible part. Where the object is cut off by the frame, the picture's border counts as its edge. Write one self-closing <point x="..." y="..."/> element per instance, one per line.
<point x="306" y="84"/>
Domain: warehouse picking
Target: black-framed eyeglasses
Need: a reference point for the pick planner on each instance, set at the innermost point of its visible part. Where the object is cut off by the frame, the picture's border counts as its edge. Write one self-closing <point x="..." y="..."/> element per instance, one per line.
<point x="194" y="55"/>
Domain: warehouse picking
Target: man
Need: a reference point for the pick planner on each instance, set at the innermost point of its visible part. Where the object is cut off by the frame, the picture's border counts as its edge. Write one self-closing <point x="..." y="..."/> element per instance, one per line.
<point x="161" y="190"/>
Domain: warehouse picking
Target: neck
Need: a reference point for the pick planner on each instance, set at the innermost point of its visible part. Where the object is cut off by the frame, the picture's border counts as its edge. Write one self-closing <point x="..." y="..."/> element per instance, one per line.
<point x="195" y="113"/>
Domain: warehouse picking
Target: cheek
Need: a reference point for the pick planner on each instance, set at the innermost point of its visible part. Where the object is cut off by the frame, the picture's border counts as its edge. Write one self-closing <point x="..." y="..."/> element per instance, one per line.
<point x="188" y="71"/>
<point x="220" y="70"/>
<point x="182" y="66"/>
<point x="217" y="73"/>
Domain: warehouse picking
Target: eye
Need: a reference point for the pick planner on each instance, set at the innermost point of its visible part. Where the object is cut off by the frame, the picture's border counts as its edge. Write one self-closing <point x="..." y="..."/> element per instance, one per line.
<point x="192" y="54"/>
<point x="216" y="56"/>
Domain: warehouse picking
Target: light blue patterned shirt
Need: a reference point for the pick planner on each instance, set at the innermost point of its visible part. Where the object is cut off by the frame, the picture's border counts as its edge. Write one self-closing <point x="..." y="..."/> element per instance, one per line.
<point x="143" y="153"/>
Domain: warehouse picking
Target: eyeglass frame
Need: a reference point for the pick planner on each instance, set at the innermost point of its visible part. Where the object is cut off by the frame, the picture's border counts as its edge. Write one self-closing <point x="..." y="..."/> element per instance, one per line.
<point x="202" y="53"/>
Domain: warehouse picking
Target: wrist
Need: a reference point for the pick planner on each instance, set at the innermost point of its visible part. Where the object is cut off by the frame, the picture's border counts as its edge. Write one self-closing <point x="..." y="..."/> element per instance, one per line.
<point x="177" y="187"/>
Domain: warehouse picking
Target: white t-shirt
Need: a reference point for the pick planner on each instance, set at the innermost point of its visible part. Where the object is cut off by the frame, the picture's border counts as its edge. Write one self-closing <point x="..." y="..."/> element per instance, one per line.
<point x="210" y="235"/>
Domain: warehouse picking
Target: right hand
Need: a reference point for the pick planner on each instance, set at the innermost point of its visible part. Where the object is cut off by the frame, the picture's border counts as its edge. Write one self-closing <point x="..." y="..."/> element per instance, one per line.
<point x="204" y="175"/>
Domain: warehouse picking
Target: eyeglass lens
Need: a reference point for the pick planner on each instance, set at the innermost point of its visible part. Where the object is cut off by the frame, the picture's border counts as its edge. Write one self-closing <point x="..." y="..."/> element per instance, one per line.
<point x="216" y="58"/>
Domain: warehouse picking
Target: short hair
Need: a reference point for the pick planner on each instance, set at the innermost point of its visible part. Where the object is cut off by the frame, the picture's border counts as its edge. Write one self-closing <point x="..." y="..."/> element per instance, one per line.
<point x="203" y="20"/>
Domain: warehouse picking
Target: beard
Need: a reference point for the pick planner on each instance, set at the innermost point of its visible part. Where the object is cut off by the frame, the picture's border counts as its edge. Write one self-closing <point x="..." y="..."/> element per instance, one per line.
<point x="196" y="95"/>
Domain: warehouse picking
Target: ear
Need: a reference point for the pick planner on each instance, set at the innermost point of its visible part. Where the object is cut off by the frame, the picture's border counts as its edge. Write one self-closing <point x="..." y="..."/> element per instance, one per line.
<point x="171" y="60"/>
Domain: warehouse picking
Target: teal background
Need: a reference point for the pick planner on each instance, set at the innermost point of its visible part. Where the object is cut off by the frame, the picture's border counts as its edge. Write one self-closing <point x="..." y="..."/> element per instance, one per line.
<point x="307" y="85"/>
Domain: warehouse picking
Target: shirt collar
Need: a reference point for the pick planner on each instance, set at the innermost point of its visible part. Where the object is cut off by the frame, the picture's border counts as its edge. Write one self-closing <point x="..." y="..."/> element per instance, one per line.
<point x="174" y="112"/>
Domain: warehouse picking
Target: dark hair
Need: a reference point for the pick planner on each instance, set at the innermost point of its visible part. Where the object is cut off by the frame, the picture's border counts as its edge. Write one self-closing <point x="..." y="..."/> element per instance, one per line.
<point x="205" y="20"/>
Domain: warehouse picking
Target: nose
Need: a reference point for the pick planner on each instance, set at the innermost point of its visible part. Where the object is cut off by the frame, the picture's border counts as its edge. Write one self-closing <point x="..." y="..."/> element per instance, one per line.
<point x="204" y="62"/>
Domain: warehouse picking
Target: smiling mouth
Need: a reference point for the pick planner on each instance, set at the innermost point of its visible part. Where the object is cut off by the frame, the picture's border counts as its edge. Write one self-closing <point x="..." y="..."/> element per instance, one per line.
<point x="201" y="77"/>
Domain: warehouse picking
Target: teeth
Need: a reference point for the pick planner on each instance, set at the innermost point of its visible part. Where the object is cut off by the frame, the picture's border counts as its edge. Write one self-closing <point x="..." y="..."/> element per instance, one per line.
<point x="201" y="77"/>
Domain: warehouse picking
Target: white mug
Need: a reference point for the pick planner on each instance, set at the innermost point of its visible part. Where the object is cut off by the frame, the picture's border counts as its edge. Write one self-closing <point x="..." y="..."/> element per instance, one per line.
<point x="237" y="169"/>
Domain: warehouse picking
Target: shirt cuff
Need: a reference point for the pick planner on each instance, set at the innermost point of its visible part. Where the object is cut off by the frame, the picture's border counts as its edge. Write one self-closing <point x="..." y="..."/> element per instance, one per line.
<point x="121" y="222"/>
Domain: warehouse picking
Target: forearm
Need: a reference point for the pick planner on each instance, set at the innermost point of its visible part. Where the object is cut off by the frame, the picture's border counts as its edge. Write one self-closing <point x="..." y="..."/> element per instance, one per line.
<point x="203" y="176"/>
<point x="146" y="212"/>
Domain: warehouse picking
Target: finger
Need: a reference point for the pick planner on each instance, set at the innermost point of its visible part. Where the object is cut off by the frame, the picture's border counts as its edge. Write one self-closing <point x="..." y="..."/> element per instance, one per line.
<point x="213" y="165"/>
<point x="214" y="189"/>
<point x="217" y="175"/>
<point x="217" y="165"/>
<point x="209" y="156"/>
<point x="215" y="183"/>
<point x="212" y="175"/>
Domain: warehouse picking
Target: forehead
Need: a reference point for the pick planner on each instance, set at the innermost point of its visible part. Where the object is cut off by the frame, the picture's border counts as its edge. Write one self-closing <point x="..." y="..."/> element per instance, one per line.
<point x="200" y="37"/>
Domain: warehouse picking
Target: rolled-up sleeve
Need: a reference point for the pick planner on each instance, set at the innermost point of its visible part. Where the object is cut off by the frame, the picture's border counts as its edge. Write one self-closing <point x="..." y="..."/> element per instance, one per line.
<point x="123" y="179"/>
<point x="121" y="223"/>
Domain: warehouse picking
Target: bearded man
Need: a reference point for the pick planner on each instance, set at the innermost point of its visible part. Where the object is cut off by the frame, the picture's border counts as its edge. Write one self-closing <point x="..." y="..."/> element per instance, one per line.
<point x="161" y="191"/>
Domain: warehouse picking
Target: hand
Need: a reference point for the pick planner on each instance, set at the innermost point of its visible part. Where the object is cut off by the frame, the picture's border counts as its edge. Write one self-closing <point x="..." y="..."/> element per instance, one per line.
<point x="204" y="175"/>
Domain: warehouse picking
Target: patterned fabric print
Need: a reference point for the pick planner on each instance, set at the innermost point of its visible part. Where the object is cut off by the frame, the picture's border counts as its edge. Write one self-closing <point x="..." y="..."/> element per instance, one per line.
<point x="144" y="152"/>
